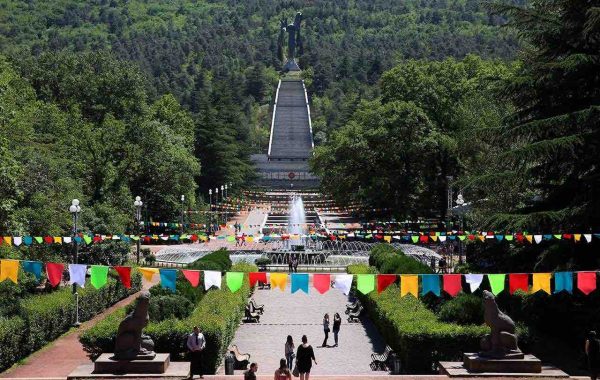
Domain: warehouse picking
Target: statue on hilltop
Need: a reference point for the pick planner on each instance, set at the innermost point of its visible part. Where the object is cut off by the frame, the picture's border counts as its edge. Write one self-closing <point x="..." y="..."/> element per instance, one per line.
<point x="294" y="42"/>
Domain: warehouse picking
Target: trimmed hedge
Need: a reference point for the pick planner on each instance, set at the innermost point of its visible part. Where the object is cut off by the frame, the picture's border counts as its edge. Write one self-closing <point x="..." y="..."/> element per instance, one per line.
<point x="387" y="259"/>
<point x="45" y="317"/>
<point x="218" y="313"/>
<point x="414" y="332"/>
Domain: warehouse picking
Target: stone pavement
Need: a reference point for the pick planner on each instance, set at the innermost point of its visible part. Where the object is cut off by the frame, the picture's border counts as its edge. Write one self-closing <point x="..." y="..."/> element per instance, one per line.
<point x="302" y="314"/>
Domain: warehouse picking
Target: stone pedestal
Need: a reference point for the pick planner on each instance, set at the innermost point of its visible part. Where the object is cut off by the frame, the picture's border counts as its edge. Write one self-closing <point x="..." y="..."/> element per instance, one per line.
<point x="526" y="364"/>
<point x="106" y="364"/>
<point x="291" y="65"/>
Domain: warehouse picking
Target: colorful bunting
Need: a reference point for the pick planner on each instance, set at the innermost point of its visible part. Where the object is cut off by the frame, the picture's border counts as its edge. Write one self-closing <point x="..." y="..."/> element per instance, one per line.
<point x="430" y="283"/>
<point x="409" y="284"/>
<point x="518" y="281"/>
<point x="563" y="281"/>
<point x="125" y="276"/>
<point x="77" y="274"/>
<point x="452" y="284"/>
<point x="279" y="280"/>
<point x="299" y="282"/>
<point x="99" y="275"/>
<point x="54" y="272"/>
<point x="9" y="270"/>
<point x="496" y="283"/>
<point x="34" y="267"/>
<point x="322" y="282"/>
<point x="168" y="278"/>
<point x="255" y="277"/>
<point x="148" y="273"/>
<point x="365" y="283"/>
<point x="586" y="282"/>
<point x="212" y="278"/>
<point x="234" y="280"/>
<point x="474" y="281"/>
<point x="193" y="276"/>
<point x="343" y="282"/>
<point x="541" y="281"/>
<point x="384" y="280"/>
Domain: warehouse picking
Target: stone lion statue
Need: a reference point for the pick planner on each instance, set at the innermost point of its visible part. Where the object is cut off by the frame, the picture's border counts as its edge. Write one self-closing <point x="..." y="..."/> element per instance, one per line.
<point x="502" y="341"/>
<point x="131" y="343"/>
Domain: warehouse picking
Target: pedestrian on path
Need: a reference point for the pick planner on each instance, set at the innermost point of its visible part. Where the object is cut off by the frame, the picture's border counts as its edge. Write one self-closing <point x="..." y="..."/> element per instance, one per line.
<point x="305" y="355"/>
<point x="196" y="344"/>
<point x="325" y="329"/>
<point x="282" y="373"/>
<point x="289" y="351"/>
<point x="592" y="350"/>
<point x="337" y="321"/>
<point x="251" y="373"/>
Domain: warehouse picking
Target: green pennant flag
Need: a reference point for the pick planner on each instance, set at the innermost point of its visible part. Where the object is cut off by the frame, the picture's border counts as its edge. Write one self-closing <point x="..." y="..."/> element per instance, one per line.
<point x="99" y="275"/>
<point x="414" y="238"/>
<point x="234" y="280"/>
<point x="558" y="236"/>
<point x="134" y="237"/>
<point x="462" y="237"/>
<point x="87" y="239"/>
<point x="231" y="238"/>
<point x="39" y="239"/>
<point x="496" y="282"/>
<point x="365" y="283"/>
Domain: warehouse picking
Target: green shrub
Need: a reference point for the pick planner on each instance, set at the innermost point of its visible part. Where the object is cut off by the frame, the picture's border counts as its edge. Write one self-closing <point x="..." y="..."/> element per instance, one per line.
<point x="360" y="269"/>
<point x="111" y="252"/>
<point x="415" y="333"/>
<point x="218" y="313"/>
<point x="389" y="260"/>
<point x="465" y="309"/>
<point x="44" y="317"/>
<point x="169" y="307"/>
<point x="379" y="253"/>
<point x="217" y="260"/>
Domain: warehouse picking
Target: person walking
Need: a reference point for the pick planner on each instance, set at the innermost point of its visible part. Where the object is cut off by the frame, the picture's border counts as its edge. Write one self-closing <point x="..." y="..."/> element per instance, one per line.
<point x="592" y="350"/>
<point x="196" y="344"/>
<point x="282" y="373"/>
<point x="325" y="329"/>
<point x="250" y="374"/>
<point x="337" y="321"/>
<point x="305" y="355"/>
<point x="289" y="351"/>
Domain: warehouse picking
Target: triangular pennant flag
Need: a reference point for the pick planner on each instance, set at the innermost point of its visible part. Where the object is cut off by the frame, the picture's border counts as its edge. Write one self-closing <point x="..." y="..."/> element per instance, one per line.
<point x="563" y="281"/>
<point x="255" y="277"/>
<point x="430" y="283"/>
<point x="87" y="239"/>
<point x="168" y="278"/>
<point x="27" y="240"/>
<point x="496" y="283"/>
<point x="17" y="240"/>
<point x="474" y="281"/>
<point x="7" y="240"/>
<point x="538" y="238"/>
<point x="577" y="237"/>
<point x="509" y="237"/>
<point x="365" y="283"/>
<point x="279" y="280"/>
<point x="58" y="240"/>
<point x="212" y="278"/>
<point x="588" y="237"/>
<point x="48" y="239"/>
<point x="77" y="274"/>
<point x="586" y="282"/>
<point x="67" y="239"/>
<point x="235" y="280"/>
<point x="124" y="275"/>
<point x="518" y="281"/>
<point x="452" y="284"/>
<point x="193" y="276"/>
<point x="34" y="267"/>
<point x="409" y="284"/>
<point x="39" y="239"/>
<point x="322" y="282"/>
<point x="54" y="272"/>
<point x="541" y="281"/>
<point x="9" y="270"/>
<point x="343" y="282"/>
<point x="148" y="273"/>
<point x="415" y="238"/>
<point x="299" y="282"/>
<point x="99" y="275"/>
<point x="384" y="280"/>
<point x="529" y="238"/>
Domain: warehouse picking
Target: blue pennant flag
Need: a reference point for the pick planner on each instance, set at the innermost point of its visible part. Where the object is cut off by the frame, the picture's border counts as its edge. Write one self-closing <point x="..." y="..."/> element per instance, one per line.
<point x="563" y="281"/>
<point x="27" y="240"/>
<point x="431" y="283"/>
<point x="34" y="267"/>
<point x="167" y="278"/>
<point x="300" y="282"/>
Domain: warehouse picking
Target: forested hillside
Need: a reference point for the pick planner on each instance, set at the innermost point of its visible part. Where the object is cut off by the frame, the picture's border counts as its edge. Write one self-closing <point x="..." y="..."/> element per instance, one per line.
<point x="214" y="63"/>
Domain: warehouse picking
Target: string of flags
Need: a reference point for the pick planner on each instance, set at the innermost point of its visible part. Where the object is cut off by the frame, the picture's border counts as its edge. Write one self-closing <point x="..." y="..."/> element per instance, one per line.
<point x="452" y="284"/>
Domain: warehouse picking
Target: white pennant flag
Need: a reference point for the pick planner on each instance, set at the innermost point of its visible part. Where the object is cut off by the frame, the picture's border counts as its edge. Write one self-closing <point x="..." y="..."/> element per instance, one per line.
<point x="67" y="239"/>
<point x="343" y="282"/>
<point x="212" y="278"/>
<point x="537" y="238"/>
<point x="442" y="238"/>
<point x="77" y="274"/>
<point x="588" y="237"/>
<point x="474" y="281"/>
<point x="17" y="240"/>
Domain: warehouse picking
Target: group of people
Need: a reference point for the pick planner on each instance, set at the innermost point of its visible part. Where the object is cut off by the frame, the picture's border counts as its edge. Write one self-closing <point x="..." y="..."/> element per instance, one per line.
<point x="293" y="263"/>
<point x="337" y="322"/>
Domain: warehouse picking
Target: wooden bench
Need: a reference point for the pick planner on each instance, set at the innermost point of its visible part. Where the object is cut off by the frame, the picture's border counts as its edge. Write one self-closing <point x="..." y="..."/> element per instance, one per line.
<point x="354" y="316"/>
<point x="256" y="308"/>
<point x="352" y="307"/>
<point x="241" y="360"/>
<point x="380" y="360"/>
<point x="251" y="316"/>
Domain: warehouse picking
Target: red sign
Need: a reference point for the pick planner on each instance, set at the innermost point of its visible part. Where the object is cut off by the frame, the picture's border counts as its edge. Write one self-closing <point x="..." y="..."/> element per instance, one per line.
<point x="292" y="175"/>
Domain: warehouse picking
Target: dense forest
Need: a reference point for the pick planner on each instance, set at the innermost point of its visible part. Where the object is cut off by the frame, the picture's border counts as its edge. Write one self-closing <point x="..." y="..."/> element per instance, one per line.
<point x="104" y="100"/>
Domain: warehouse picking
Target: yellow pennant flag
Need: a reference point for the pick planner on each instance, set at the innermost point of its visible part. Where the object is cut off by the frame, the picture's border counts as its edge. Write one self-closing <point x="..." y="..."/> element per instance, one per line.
<point x="250" y="239"/>
<point x="434" y="237"/>
<point x="481" y="237"/>
<point x="7" y="240"/>
<point x="541" y="281"/>
<point x="9" y="269"/>
<point x="58" y="240"/>
<point x="577" y="237"/>
<point x="387" y="238"/>
<point x="279" y="280"/>
<point x="409" y="284"/>
<point x="148" y="273"/>
<point x="529" y="238"/>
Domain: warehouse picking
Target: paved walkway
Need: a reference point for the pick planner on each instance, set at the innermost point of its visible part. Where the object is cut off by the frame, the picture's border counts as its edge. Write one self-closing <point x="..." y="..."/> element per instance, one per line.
<point x="59" y="358"/>
<point x="302" y="314"/>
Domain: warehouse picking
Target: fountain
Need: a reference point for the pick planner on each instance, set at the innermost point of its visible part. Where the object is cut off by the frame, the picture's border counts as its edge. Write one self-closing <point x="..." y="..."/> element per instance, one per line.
<point x="296" y="220"/>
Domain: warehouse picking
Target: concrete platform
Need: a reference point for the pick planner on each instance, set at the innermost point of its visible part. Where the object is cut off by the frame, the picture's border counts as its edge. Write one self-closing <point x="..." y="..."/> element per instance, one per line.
<point x="519" y="364"/>
<point x="175" y="371"/>
<point x="457" y="369"/>
<point x="106" y="364"/>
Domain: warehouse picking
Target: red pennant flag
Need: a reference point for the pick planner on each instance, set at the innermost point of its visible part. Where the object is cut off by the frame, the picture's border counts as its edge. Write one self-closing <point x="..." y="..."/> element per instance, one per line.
<point x="567" y="236"/>
<point x="424" y="238"/>
<point x="193" y="276"/>
<point x="471" y="237"/>
<point x="124" y="275"/>
<point x="518" y="281"/>
<point x="452" y="284"/>
<point x="54" y="272"/>
<point x="147" y="239"/>
<point x="48" y="239"/>
<point x="520" y="237"/>
<point x="194" y="238"/>
<point x="322" y="282"/>
<point x="586" y="282"/>
<point x="255" y="277"/>
<point x="385" y="280"/>
<point x="97" y="239"/>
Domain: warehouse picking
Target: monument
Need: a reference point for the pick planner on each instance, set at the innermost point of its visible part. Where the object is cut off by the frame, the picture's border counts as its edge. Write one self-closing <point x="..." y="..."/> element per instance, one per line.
<point x="294" y="42"/>
<point x="500" y="353"/>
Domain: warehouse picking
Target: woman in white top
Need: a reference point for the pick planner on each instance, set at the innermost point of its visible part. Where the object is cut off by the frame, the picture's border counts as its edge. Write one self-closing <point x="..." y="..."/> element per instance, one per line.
<point x="325" y="329"/>
<point x="289" y="351"/>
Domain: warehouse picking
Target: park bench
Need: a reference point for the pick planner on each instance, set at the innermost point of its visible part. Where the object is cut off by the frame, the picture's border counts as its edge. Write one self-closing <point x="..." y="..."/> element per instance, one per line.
<point x="256" y="308"/>
<point x="264" y="285"/>
<point x="354" y="316"/>
<point x="352" y="307"/>
<point x="251" y="316"/>
<point x="241" y="360"/>
<point x="380" y="360"/>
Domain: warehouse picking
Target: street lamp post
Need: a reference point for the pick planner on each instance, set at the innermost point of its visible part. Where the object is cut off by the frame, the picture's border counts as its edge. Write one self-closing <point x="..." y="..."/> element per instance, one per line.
<point x="227" y="202"/>
<point x="138" y="218"/>
<point x="210" y="209"/>
<point x="217" y="203"/>
<point x="182" y="210"/>
<point x="460" y="202"/>
<point x="75" y="209"/>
